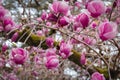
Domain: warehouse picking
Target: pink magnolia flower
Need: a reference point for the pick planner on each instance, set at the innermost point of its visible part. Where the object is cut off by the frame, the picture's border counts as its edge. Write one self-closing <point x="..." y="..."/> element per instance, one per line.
<point x="52" y="62"/>
<point x="15" y="36"/>
<point x="52" y="17"/>
<point x="83" y="59"/>
<point x="60" y="7"/>
<point x="97" y="76"/>
<point x="63" y="21"/>
<point x="107" y="30"/>
<point x="96" y="8"/>
<point x="2" y="11"/>
<point x="65" y="49"/>
<point x="82" y="20"/>
<point x="50" y="42"/>
<point x="44" y="16"/>
<point x="18" y="55"/>
<point x="8" y="24"/>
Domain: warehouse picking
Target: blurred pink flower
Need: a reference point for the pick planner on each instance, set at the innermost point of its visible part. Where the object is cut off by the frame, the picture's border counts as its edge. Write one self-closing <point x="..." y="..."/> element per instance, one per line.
<point x="40" y="33"/>
<point x="3" y="11"/>
<point x="60" y="7"/>
<point x="8" y="24"/>
<point x="83" y="59"/>
<point x="44" y="16"/>
<point x="52" y="62"/>
<point x="50" y="42"/>
<point x="97" y="76"/>
<point x="18" y="55"/>
<point x="107" y="30"/>
<point x="82" y="20"/>
<point x="96" y="8"/>
<point x="4" y="47"/>
<point x="63" y="21"/>
<point x="65" y="49"/>
<point x="52" y="17"/>
<point x="15" y="36"/>
<point x="89" y="40"/>
<point x="50" y="52"/>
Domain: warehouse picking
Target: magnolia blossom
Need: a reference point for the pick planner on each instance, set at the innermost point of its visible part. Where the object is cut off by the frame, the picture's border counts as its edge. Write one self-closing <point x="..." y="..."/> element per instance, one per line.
<point x="51" y="17"/>
<point x="52" y="62"/>
<point x="44" y="16"/>
<point x="97" y="76"/>
<point x="65" y="50"/>
<point x="8" y="24"/>
<point x="83" y="59"/>
<point x="18" y="55"/>
<point x="63" y="21"/>
<point x="2" y="11"/>
<point x="82" y="20"/>
<point x="107" y="30"/>
<point x="60" y="7"/>
<point x="50" y="42"/>
<point x="96" y="8"/>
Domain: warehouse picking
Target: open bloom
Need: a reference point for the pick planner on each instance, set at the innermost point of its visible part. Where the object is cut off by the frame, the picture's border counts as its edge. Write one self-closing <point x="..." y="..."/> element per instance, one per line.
<point x="107" y="30"/>
<point x="97" y="76"/>
<point x="52" y="62"/>
<point x="82" y="20"/>
<point x="65" y="50"/>
<point x="60" y="7"/>
<point x="18" y="55"/>
<point x="96" y="8"/>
